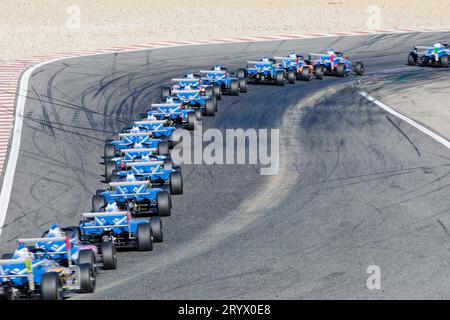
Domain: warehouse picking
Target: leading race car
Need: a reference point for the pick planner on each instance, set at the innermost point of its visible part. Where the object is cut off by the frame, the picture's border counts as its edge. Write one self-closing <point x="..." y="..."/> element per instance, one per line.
<point x="139" y="197"/>
<point x="30" y="273"/>
<point x="297" y="67"/>
<point x="334" y="63"/>
<point x="120" y="228"/>
<point x="264" y="71"/>
<point x="224" y="80"/>
<point x="437" y="55"/>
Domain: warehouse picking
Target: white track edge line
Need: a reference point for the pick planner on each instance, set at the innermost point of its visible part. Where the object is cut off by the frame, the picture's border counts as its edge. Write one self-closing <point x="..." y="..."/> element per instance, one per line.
<point x="416" y="125"/>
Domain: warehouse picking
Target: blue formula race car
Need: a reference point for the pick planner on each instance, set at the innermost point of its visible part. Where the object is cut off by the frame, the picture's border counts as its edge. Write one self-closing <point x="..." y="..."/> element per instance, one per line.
<point x="153" y="171"/>
<point x="175" y="113"/>
<point x="190" y="81"/>
<point x="193" y="99"/>
<point x="121" y="229"/>
<point x="264" y="71"/>
<point x="158" y="129"/>
<point x="227" y="84"/>
<point x="437" y="55"/>
<point x="31" y="273"/>
<point x="297" y="67"/>
<point x="334" y="63"/>
<point x="139" y="197"/>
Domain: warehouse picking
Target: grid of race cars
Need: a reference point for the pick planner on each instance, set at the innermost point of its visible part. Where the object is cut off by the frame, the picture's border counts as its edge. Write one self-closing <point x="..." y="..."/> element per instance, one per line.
<point x="141" y="177"/>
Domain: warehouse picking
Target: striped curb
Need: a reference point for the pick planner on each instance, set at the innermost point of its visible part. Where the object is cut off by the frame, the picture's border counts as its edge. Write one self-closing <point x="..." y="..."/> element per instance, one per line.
<point x="10" y="73"/>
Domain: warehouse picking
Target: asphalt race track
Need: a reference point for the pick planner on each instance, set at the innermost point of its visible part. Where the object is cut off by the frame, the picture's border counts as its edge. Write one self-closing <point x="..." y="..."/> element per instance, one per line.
<point x="356" y="186"/>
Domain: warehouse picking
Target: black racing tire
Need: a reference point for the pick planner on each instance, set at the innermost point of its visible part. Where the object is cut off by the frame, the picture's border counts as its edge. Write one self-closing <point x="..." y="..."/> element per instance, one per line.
<point x="190" y="121"/>
<point x="87" y="278"/>
<point x="209" y="91"/>
<point x="241" y="73"/>
<point x="165" y="92"/>
<point x="109" y="255"/>
<point x="87" y="257"/>
<point x="210" y="108"/>
<point x="51" y="287"/>
<point x="291" y="76"/>
<point x="98" y="203"/>
<point x="198" y="115"/>
<point x="217" y="91"/>
<point x="168" y="164"/>
<point x="164" y="204"/>
<point x="359" y="69"/>
<point x="144" y="237"/>
<point x="157" y="229"/>
<point x="318" y="72"/>
<point x="305" y="74"/>
<point x="280" y="78"/>
<point x="444" y="62"/>
<point x="110" y="166"/>
<point x="242" y="85"/>
<point x="412" y="59"/>
<point x="234" y="87"/>
<point x="109" y="151"/>
<point x="6" y="256"/>
<point x="163" y="148"/>
<point x="340" y="70"/>
<point x="176" y="183"/>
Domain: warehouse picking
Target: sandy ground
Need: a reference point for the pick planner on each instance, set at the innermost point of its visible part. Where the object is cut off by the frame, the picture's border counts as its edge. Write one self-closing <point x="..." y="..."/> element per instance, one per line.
<point x="35" y="27"/>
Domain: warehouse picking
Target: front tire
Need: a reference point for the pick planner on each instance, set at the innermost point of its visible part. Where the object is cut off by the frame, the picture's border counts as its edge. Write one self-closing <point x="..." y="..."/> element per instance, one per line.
<point x="109" y="151"/>
<point x="210" y="108"/>
<point x="340" y="70"/>
<point x="280" y="77"/>
<point x="87" y="257"/>
<point x="444" y="61"/>
<point x="144" y="237"/>
<point x="110" y="166"/>
<point x="98" y="203"/>
<point x="234" y="87"/>
<point x="176" y="183"/>
<point x="165" y="92"/>
<point x="242" y="85"/>
<point x="163" y="148"/>
<point x="291" y="76"/>
<point x="412" y="59"/>
<point x="190" y="121"/>
<point x="217" y="91"/>
<point x="163" y="203"/>
<point x="318" y="72"/>
<point x="305" y="74"/>
<point x="157" y="229"/>
<point x="359" y="68"/>
<point x="87" y="278"/>
<point x="241" y="73"/>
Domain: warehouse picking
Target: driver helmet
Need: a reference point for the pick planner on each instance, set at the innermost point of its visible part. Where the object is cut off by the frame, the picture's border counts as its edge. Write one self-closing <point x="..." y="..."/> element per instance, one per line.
<point x="437" y="45"/>
<point x="55" y="232"/>
<point x="331" y="52"/>
<point x="190" y="75"/>
<point x="130" y="177"/>
<point x="217" y="67"/>
<point x="265" y="59"/>
<point x="135" y="128"/>
<point x="111" y="207"/>
<point x="293" y="55"/>
<point x="21" y="252"/>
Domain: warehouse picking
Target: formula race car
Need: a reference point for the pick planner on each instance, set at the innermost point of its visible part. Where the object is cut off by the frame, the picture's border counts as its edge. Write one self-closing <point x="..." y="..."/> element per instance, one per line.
<point x="437" y="55"/>
<point x="139" y="197"/>
<point x="189" y="82"/>
<point x="31" y="273"/>
<point x="153" y="171"/>
<point x="158" y="129"/>
<point x="175" y="113"/>
<point x="264" y="71"/>
<point x="193" y="99"/>
<point x="222" y="78"/>
<point x="334" y="63"/>
<point x="119" y="228"/>
<point x="297" y="67"/>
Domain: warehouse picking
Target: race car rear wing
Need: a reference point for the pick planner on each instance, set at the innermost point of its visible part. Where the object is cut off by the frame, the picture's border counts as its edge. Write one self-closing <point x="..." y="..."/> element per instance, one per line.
<point x="181" y="91"/>
<point x="66" y="240"/>
<point x="143" y="150"/>
<point x="151" y="122"/>
<point x="257" y="62"/>
<point x="143" y="164"/>
<point x="159" y="105"/>
<point x="212" y="71"/>
<point x="28" y="271"/>
<point x="90" y="215"/>
<point x="137" y="134"/>
<point x="129" y="183"/>
<point x="285" y="58"/>
<point x="195" y="79"/>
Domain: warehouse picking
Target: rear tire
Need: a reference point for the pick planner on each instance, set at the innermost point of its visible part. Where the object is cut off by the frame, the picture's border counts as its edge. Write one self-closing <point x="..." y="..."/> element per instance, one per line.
<point x="157" y="229"/>
<point x="340" y="70"/>
<point x="210" y="108"/>
<point x="291" y="76"/>
<point x="280" y="77"/>
<point x="109" y="151"/>
<point x="109" y="255"/>
<point x="176" y="183"/>
<point x="217" y="92"/>
<point x="359" y="68"/>
<point x="242" y="85"/>
<point x="144" y="237"/>
<point x="305" y="75"/>
<point x="110" y="166"/>
<point x="190" y="121"/>
<point x="444" y="61"/>
<point x="234" y="87"/>
<point x="412" y="59"/>
<point x="87" y="278"/>
<point x="163" y="203"/>
<point x="51" y="287"/>
<point x="163" y="148"/>
<point x="98" y="203"/>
